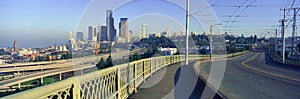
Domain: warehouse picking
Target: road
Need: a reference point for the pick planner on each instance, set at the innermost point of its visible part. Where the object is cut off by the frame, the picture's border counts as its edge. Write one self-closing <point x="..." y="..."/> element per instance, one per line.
<point x="79" y="64"/>
<point x="18" y="67"/>
<point x="256" y="76"/>
<point x="174" y="82"/>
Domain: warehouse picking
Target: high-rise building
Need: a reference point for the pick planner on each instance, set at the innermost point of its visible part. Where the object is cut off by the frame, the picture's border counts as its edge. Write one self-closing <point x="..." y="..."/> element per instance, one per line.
<point x="70" y="35"/>
<point x="144" y="30"/>
<point x="99" y="36"/>
<point x="103" y="31"/>
<point x="71" y="41"/>
<point x="79" y="36"/>
<point x="111" y="31"/>
<point x="95" y="33"/>
<point x="15" y="46"/>
<point x="123" y="29"/>
<point x="91" y="33"/>
<point x="194" y="33"/>
<point x="168" y="33"/>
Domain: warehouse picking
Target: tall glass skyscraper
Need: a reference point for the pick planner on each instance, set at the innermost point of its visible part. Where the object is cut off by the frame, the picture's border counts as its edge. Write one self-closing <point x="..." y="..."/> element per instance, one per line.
<point x="79" y="36"/>
<point x="91" y="33"/>
<point x="123" y="29"/>
<point x="111" y="31"/>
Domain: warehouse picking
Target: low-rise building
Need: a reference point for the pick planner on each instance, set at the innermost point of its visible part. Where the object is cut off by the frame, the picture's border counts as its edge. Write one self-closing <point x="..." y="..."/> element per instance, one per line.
<point x="168" y="51"/>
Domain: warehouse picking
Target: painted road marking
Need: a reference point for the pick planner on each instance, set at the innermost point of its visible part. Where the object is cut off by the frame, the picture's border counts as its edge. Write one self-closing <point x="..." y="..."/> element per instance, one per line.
<point x="266" y="72"/>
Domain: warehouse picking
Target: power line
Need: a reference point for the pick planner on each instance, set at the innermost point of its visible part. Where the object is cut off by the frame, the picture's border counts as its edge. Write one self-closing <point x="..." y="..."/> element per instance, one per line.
<point x="243" y="11"/>
<point x="235" y="13"/>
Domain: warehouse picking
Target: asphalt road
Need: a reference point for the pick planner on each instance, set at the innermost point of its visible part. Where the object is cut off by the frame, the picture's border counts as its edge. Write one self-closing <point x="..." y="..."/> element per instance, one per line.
<point x="256" y="76"/>
<point x="174" y="82"/>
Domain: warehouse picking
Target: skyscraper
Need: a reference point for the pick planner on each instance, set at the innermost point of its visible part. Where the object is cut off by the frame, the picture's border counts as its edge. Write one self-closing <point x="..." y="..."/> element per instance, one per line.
<point x="15" y="46"/>
<point x="111" y="31"/>
<point x="95" y="33"/>
<point x="123" y="29"/>
<point x="103" y="31"/>
<point x="144" y="30"/>
<point x="70" y="35"/>
<point x="168" y="33"/>
<point x="79" y="36"/>
<point x="99" y="36"/>
<point x="91" y="33"/>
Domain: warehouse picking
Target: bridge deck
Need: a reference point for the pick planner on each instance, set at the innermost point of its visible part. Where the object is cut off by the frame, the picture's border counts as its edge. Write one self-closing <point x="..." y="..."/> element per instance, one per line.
<point x="175" y="81"/>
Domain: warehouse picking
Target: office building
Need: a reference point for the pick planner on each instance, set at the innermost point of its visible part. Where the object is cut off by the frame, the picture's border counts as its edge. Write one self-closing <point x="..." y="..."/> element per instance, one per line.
<point x="167" y="33"/>
<point x="123" y="29"/>
<point x="99" y="36"/>
<point x="144" y="30"/>
<point x="111" y="31"/>
<point x="91" y="33"/>
<point x="103" y="32"/>
<point x="15" y="46"/>
<point x="79" y="36"/>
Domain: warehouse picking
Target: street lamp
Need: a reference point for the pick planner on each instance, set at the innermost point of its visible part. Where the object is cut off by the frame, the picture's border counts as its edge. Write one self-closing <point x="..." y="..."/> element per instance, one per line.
<point x="186" y="32"/>
<point x="210" y="41"/>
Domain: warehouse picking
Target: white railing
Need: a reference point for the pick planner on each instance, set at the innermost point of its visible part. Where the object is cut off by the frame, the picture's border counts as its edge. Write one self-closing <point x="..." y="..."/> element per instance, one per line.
<point x="117" y="82"/>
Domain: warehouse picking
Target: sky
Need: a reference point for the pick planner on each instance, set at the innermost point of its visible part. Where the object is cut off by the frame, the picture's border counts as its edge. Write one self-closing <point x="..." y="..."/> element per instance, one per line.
<point x="41" y="23"/>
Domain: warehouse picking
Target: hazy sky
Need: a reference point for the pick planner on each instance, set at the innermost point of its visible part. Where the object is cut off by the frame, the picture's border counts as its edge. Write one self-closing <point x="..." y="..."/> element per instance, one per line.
<point x="40" y="23"/>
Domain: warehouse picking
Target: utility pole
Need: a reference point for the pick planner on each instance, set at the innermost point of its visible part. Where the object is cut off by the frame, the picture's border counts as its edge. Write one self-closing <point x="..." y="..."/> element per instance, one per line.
<point x="276" y="40"/>
<point x="282" y="36"/>
<point x="186" y="33"/>
<point x="210" y="42"/>
<point x="276" y="35"/>
<point x="294" y="26"/>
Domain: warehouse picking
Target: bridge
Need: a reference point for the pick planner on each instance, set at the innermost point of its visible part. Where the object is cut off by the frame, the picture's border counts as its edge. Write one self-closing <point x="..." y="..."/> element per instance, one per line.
<point x="250" y="75"/>
<point x="115" y="82"/>
<point x="52" y="68"/>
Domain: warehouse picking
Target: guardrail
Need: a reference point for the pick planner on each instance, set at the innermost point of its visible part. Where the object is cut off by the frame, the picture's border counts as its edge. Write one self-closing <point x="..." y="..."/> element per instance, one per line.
<point x="116" y="82"/>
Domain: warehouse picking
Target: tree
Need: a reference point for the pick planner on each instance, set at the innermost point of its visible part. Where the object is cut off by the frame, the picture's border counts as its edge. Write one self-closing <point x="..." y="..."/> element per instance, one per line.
<point x="37" y="59"/>
<point x="101" y="64"/>
<point x="255" y="39"/>
<point x="134" y="57"/>
<point x="108" y="62"/>
<point x="47" y="58"/>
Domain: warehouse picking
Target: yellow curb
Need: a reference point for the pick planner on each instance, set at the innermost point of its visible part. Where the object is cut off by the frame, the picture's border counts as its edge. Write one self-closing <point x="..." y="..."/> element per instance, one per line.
<point x="266" y="72"/>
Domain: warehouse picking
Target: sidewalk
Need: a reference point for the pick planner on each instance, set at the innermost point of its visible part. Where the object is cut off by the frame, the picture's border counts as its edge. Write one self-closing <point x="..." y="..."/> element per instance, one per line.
<point x="173" y="82"/>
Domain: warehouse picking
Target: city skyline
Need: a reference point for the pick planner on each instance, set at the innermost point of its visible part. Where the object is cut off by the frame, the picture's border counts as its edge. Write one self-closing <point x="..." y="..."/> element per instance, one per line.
<point x="50" y="25"/>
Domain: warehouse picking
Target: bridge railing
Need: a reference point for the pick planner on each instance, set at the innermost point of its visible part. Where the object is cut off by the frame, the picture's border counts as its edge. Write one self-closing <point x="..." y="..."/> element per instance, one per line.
<point x="116" y="82"/>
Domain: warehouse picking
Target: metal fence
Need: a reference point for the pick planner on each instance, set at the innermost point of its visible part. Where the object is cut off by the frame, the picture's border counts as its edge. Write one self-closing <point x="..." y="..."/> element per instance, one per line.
<point x="116" y="82"/>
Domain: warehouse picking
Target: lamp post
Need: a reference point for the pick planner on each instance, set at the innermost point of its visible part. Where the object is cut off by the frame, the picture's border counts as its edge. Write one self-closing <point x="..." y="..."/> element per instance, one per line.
<point x="210" y="41"/>
<point x="186" y="32"/>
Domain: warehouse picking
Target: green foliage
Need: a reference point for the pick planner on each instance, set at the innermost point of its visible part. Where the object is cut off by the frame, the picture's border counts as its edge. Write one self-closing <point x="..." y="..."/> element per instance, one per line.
<point x="37" y="59"/>
<point x="203" y="51"/>
<point x="101" y="64"/>
<point x="134" y="57"/>
<point x="104" y="64"/>
<point x="109" y="61"/>
<point x="47" y="58"/>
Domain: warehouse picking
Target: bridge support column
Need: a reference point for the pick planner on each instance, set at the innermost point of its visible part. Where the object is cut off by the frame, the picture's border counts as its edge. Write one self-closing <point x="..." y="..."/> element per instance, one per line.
<point x="42" y="80"/>
<point x="60" y="76"/>
<point x="18" y="73"/>
<point x="19" y="85"/>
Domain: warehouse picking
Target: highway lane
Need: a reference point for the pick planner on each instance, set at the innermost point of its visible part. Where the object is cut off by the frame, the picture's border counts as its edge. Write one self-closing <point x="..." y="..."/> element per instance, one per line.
<point x="254" y="75"/>
<point x="61" y="63"/>
<point x="14" y="81"/>
<point x="79" y="64"/>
